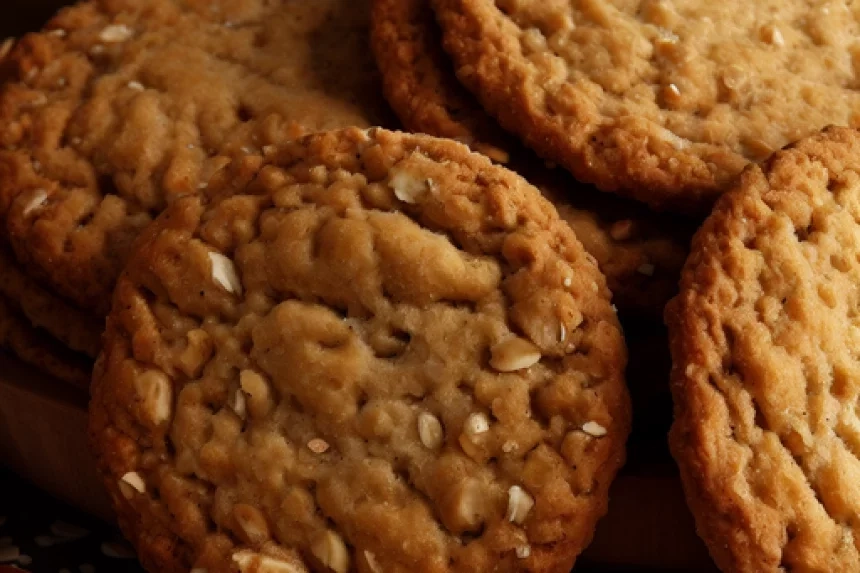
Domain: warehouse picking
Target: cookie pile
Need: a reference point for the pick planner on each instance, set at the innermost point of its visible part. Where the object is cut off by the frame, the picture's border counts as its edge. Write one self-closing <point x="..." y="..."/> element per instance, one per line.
<point x="325" y="345"/>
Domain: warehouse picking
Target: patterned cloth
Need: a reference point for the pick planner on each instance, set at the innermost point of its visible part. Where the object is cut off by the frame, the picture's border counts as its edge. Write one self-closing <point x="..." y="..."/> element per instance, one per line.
<point x="42" y="535"/>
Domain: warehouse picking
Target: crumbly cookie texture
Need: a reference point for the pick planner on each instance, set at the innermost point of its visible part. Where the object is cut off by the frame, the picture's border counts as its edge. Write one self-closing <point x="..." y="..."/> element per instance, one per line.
<point x="120" y="106"/>
<point x="662" y="101"/>
<point x="419" y="81"/>
<point x="77" y="330"/>
<point x="379" y="352"/>
<point x="33" y="346"/>
<point x="639" y="253"/>
<point x="764" y="339"/>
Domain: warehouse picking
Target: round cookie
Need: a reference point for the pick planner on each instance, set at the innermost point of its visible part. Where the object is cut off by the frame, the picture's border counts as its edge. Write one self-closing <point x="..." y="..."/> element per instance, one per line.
<point x="640" y="253"/>
<point x="764" y="337"/>
<point x="76" y="330"/>
<point x="665" y="102"/>
<point x="380" y="352"/>
<point x="35" y="347"/>
<point x="120" y="106"/>
<point x="419" y="82"/>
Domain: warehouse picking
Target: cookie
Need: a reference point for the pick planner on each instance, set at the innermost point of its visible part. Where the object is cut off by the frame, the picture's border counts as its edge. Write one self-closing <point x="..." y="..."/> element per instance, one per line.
<point x="665" y="102"/>
<point x="765" y="371"/>
<point x="419" y="82"/>
<point x="75" y="329"/>
<point x="379" y="353"/>
<point x="640" y="253"/>
<point x="36" y="348"/>
<point x="120" y="106"/>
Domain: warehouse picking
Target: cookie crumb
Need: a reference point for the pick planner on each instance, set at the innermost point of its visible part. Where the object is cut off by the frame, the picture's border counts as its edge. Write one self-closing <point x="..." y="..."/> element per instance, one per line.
<point x="318" y="446"/>
<point x="137" y="86"/>
<point x="115" y="33"/>
<point x="477" y="424"/>
<point x="514" y="354"/>
<point x="509" y="446"/>
<point x="523" y="551"/>
<point x="519" y="504"/>
<point x="594" y="429"/>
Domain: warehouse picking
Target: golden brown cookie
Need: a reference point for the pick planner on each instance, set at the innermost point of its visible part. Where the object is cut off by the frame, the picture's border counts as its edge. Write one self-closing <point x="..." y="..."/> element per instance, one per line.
<point x="120" y="106"/>
<point x="640" y="253"/>
<point x="766" y="377"/>
<point x="665" y="102"/>
<point x="419" y="81"/>
<point x="380" y="352"/>
<point x="75" y="329"/>
<point x="35" y="347"/>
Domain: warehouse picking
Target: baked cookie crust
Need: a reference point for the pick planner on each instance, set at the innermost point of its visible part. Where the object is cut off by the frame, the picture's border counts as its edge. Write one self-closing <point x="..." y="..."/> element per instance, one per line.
<point x="665" y="102"/>
<point x="120" y="106"/>
<point x="765" y="370"/>
<point x="379" y="352"/>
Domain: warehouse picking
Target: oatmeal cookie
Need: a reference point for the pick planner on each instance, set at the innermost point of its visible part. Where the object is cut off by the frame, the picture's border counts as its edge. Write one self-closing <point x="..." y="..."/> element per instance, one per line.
<point x="764" y="337"/>
<point x="120" y="106"/>
<point x="35" y="347"/>
<point x="380" y="352"/>
<point x="665" y="102"/>
<point x="639" y="252"/>
<point x="419" y="82"/>
<point x="77" y="330"/>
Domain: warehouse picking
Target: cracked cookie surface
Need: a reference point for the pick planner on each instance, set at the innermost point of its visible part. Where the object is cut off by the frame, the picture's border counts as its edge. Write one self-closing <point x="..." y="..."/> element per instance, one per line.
<point x="665" y="102"/>
<point x="764" y="337"/>
<point x="119" y="107"/>
<point x="379" y="352"/>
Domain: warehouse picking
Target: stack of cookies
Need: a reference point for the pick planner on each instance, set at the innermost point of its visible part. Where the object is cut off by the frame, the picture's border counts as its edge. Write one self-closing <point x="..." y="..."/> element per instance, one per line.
<point x="324" y="345"/>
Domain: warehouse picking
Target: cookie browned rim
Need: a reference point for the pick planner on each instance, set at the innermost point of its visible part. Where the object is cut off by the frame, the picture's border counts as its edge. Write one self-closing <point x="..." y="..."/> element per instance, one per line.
<point x="763" y="337"/>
